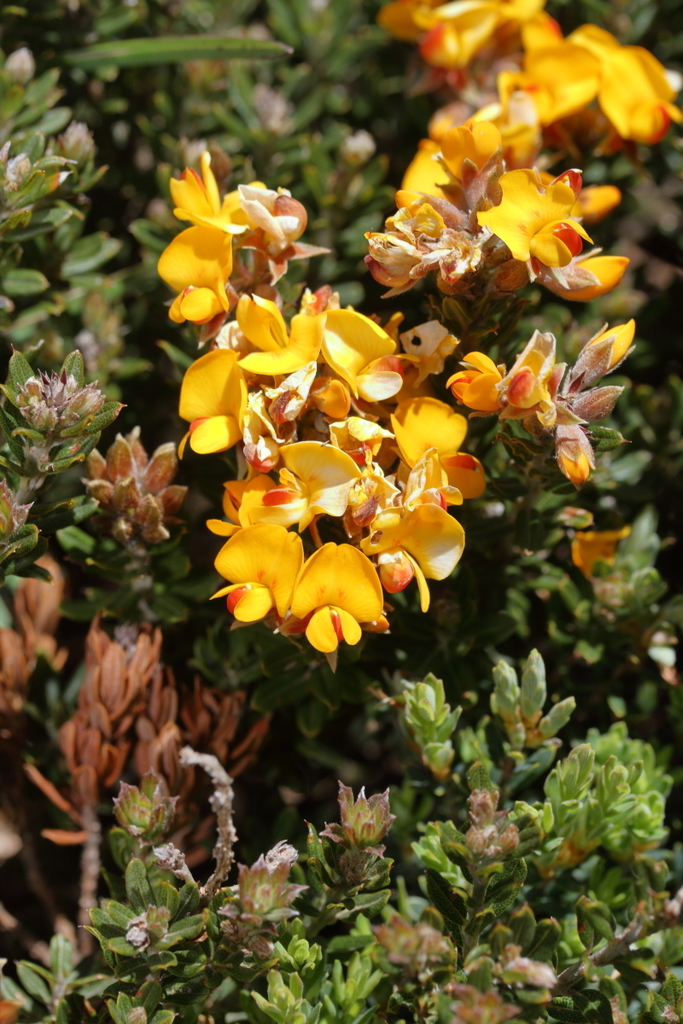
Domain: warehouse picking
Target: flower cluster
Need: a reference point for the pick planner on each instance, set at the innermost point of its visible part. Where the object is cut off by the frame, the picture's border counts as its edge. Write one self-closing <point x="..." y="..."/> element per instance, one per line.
<point x="562" y="93"/>
<point x="488" y="226"/>
<point x="547" y="397"/>
<point x="335" y="433"/>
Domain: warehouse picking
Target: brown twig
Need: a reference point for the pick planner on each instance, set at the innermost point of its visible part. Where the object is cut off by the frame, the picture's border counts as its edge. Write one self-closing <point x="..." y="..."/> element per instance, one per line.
<point x="619" y="946"/>
<point x="221" y="802"/>
<point x="90" y="873"/>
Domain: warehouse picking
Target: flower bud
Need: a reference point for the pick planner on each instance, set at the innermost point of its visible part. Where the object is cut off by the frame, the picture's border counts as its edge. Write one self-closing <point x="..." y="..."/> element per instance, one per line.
<point x="363" y="822"/>
<point x="12" y="516"/>
<point x="596" y="202"/>
<point x="574" y="454"/>
<point x="595" y="404"/>
<point x="358" y="147"/>
<point x="395" y="571"/>
<point x="20" y="66"/>
<point x="292" y="209"/>
<point x="145" y="812"/>
<point x="16" y="172"/>
<point x="77" y="143"/>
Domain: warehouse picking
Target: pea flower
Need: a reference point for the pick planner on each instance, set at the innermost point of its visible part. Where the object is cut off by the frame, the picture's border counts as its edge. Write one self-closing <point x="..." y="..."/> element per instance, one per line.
<point x="337" y="590"/>
<point x="456" y="31"/>
<point x="634" y="94"/>
<point x="213" y="398"/>
<point x="591" y="546"/>
<point x="262" y="563"/>
<point x="316" y="480"/>
<point x="426" y="543"/>
<point x="477" y="385"/>
<point x="362" y="354"/>
<point x="281" y="352"/>
<point x="585" y="278"/>
<point x="473" y="144"/>
<point x="198" y="200"/>
<point x="535" y="220"/>
<point x="239" y="497"/>
<point x="526" y="388"/>
<point x="281" y="218"/>
<point x="574" y="453"/>
<point x="197" y="265"/>
<point x="420" y="424"/>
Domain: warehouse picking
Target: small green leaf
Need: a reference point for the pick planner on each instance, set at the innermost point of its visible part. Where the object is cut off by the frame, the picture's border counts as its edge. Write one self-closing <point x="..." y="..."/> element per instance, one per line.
<point x="138" y="889"/>
<point x="21" y="282"/>
<point x="173" y="50"/>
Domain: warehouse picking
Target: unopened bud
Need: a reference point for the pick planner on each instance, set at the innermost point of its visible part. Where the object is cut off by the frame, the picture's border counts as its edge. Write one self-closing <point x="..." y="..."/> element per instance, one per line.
<point x="358" y="147"/>
<point x="287" y="206"/>
<point x="16" y="172"/>
<point x="395" y="571"/>
<point x="144" y="811"/>
<point x="364" y="822"/>
<point x="76" y="143"/>
<point x="574" y="454"/>
<point x="597" y="404"/>
<point x="20" y="66"/>
<point x="508" y="840"/>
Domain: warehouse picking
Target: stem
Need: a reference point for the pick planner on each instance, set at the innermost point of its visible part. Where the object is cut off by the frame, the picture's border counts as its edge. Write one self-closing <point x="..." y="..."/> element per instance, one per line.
<point x="221" y="802"/>
<point x="619" y="946"/>
<point x="90" y="873"/>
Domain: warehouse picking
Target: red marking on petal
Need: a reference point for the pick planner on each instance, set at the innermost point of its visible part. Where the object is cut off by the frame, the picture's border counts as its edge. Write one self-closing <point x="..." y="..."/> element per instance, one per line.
<point x="196" y="423"/>
<point x="336" y="624"/>
<point x="571" y="238"/>
<point x="234" y="598"/>
<point x="278" y="496"/>
<point x="572" y="177"/>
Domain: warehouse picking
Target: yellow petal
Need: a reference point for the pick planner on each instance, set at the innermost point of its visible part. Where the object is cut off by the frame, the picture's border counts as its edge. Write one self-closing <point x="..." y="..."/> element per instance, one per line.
<point x="214" y="385"/>
<point x="378" y="385"/>
<point x="302" y="348"/>
<point x="422" y="585"/>
<point x="424" y="172"/>
<point x="215" y="434"/>
<point x="327" y="474"/>
<point x="261" y="323"/>
<point x="254" y="605"/>
<point x="221" y="528"/>
<point x="423" y="423"/>
<point x="267" y="555"/>
<point x="428" y="533"/>
<point x="466" y="473"/>
<point x="525" y="209"/>
<point x="197" y="305"/>
<point x="342" y="576"/>
<point x="351" y="341"/>
<point x="199" y="257"/>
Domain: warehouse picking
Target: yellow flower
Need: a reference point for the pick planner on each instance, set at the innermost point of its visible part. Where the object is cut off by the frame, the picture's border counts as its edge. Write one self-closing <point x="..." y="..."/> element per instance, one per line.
<point x="594" y="202"/>
<point x="594" y="546"/>
<point x="477" y="386"/>
<point x="535" y="221"/>
<point x="197" y="264"/>
<point x="474" y="141"/>
<point x="198" y="200"/>
<point x="316" y="480"/>
<point x="213" y="398"/>
<point x="424" y="173"/>
<point x="525" y="388"/>
<point x="420" y="424"/>
<point x="427" y="539"/>
<point x="427" y="483"/>
<point x="262" y="563"/>
<point x="635" y="94"/>
<point x="589" y="278"/>
<point x="239" y="496"/>
<point x="263" y="325"/>
<point x="574" y="454"/>
<point x="458" y="30"/>
<point x="362" y="354"/>
<point x="339" y="589"/>
<point x="560" y="81"/>
<point x="361" y="439"/>
<point x="398" y="17"/>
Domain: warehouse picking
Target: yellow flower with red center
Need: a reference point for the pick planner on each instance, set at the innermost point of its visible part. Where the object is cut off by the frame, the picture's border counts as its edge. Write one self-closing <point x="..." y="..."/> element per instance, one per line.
<point x="198" y="200"/>
<point x="426" y="543"/>
<point x="262" y="324"/>
<point x="262" y="563"/>
<point x="337" y="591"/>
<point x="362" y="354"/>
<point x="456" y="31"/>
<point x="525" y="388"/>
<point x="591" y="546"/>
<point x="316" y="480"/>
<point x="239" y="496"/>
<point x="197" y="265"/>
<point x="535" y="220"/>
<point x="477" y="386"/>
<point x="213" y="398"/>
<point x="634" y="94"/>
<point x="421" y="424"/>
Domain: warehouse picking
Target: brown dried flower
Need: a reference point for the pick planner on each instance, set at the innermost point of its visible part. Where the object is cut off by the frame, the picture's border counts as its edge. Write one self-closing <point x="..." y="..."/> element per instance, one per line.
<point x="135" y="492"/>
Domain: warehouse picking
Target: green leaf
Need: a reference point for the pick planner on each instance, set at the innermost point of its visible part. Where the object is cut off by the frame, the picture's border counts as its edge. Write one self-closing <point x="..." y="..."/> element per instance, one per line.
<point x="172" y="50"/>
<point x="61" y="956"/>
<point x="19" y="370"/>
<point x="447" y="901"/>
<point x="478" y="777"/>
<point x="32" y="982"/>
<point x="89" y="253"/>
<point x="22" y="282"/>
<point x="74" y="366"/>
<point x="138" y="889"/>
